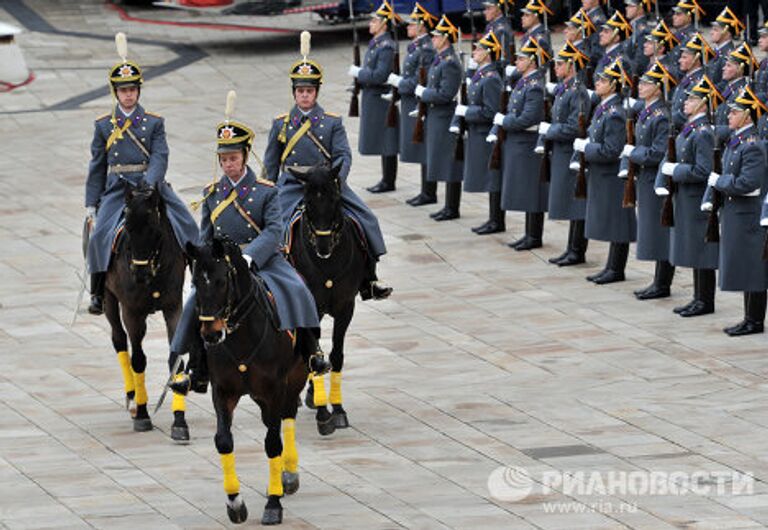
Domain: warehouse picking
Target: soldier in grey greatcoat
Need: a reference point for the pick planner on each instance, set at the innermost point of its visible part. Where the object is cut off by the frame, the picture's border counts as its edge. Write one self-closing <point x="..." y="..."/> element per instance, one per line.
<point x="593" y="9"/>
<point x="521" y="187"/>
<point x="725" y="28"/>
<point x="685" y="17"/>
<point x="760" y="84"/>
<point x="612" y="37"/>
<point x="498" y="22"/>
<point x="694" y="147"/>
<point x="483" y="98"/>
<point x="443" y="82"/>
<point x="376" y="137"/>
<point x="743" y="185"/>
<point x="736" y="74"/>
<point x="244" y="208"/>
<point x="307" y="136"/>
<point x="606" y="219"/>
<point x="693" y="54"/>
<point x="571" y="100"/>
<point x="419" y="57"/>
<point x="637" y="12"/>
<point x="128" y="148"/>
<point x="577" y="30"/>
<point x="533" y="18"/>
<point x="657" y="45"/>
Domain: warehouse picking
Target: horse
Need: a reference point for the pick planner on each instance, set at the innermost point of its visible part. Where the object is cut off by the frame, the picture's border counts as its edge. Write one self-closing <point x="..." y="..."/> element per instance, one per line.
<point x="328" y="252"/>
<point x="146" y="274"/>
<point x="247" y="354"/>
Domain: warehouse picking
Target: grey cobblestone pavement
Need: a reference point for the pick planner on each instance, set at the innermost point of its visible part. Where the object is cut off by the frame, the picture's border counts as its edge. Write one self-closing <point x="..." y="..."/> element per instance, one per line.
<point x="482" y="358"/>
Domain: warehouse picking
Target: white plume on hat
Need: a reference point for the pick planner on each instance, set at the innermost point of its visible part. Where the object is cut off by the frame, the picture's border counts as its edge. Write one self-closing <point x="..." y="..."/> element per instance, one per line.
<point x="121" y="42"/>
<point x="305" y="39"/>
<point x="229" y="108"/>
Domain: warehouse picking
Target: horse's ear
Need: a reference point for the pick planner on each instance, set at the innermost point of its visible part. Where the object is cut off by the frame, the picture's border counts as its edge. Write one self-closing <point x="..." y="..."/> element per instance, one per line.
<point x="300" y="172"/>
<point x="217" y="248"/>
<point x="335" y="170"/>
<point x="191" y="250"/>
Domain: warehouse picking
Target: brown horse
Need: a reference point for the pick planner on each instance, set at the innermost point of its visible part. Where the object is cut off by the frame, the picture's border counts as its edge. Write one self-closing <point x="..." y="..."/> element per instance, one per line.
<point x="145" y="275"/>
<point x="247" y="354"/>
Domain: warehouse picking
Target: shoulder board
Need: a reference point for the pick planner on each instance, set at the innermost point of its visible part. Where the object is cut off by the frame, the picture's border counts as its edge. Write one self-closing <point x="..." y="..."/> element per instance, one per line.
<point x="107" y="115"/>
<point x="752" y="138"/>
<point x="333" y="114"/>
<point x="148" y="113"/>
<point x="281" y="116"/>
<point x="265" y="182"/>
<point x="208" y="189"/>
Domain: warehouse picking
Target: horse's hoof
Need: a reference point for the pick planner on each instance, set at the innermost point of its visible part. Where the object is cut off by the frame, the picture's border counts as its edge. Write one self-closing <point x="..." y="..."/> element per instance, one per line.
<point x="237" y="510"/>
<point x="273" y="512"/>
<point x="290" y="482"/>
<point x="325" y="425"/>
<point x="142" y="424"/>
<point x="180" y="434"/>
<point x="309" y="398"/>
<point x="130" y="406"/>
<point x="340" y="420"/>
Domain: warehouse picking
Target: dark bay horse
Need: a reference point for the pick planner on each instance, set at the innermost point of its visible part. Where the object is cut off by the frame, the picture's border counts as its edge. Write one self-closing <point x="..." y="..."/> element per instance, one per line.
<point x="146" y="274"/>
<point x="327" y="251"/>
<point x="248" y="355"/>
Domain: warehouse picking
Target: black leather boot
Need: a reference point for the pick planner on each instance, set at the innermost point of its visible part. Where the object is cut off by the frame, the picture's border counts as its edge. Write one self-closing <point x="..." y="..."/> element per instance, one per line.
<point x="452" y="202"/>
<point x="696" y="295"/>
<point x="617" y="262"/>
<point x="496" y="216"/>
<point x="662" y="280"/>
<point x="533" y="233"/>
<point x="428" y="193"/>
<point x="98" y="279"/>
<point x="577" y="247"/>
<point x="556" y="259"/>
<point x="370" y="288"/>
<point x="517" y="242"/>
<point x="705" y="303"/>
<point x="754" y="315"/>
<point x="388" y="175"/>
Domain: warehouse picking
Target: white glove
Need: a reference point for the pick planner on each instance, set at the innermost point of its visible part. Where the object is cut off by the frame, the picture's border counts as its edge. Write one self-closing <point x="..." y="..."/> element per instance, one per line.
<point x="712" y="180"/>
<point x="353" y="71"/>
<point x="631" y="102"/>
<point x="551" y="87"/>
<point x="532" y="128"/>
<point x="668" y="168"/>
<point x="764" y="221"/>
<point x="706" y="206"/>
<point x="248" y="260"/>
<point x="471" y="64"/>
<point x="454" y="129"/>
<point x="394" y="80"/>
<point x="575" y="165"/>
<point x="544" y="127"/>
<point x="491" y="138"/>
<point x="661" y="192"/>
<point x="590" y="93"/>
<point x="468" y="80"/>
<point x="387" y="96"/>
<point x="91" y="213"/>
<point x="461" y="110"/>
<point x="580" y="144"/>
<point x="510" y="70"/>
<point x="623" y="173"/>
<point x="419" y="90"/>
<point x="627" y="150"/>
<point x="498" y="119"/>
<point x="414" y="113"/>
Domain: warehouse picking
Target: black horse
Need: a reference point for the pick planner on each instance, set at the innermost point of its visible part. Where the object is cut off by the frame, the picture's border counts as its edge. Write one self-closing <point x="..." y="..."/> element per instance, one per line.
<point x="328" y="252"/>
<point x="145" y="275"/>
<point x="247" y="354"/>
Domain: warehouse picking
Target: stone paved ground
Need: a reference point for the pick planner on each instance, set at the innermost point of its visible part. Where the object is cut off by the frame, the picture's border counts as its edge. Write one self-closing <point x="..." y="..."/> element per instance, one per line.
<point x="483" y="357"/>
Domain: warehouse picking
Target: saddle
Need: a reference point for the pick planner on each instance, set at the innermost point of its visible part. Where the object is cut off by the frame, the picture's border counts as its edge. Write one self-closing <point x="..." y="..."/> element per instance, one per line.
<point x="293" y="225"/>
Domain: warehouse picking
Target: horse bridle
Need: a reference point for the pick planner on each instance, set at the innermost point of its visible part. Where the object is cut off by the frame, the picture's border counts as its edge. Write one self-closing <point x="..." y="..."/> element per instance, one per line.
<point x="334" y="232"/>
<point x="231" y="311"/>
<point x="152" y="261"/>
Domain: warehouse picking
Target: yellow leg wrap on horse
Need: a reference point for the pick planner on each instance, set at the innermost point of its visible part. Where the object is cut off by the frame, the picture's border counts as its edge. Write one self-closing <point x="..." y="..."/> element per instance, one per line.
<point x="321" y="397"/>
<point x="335" y="388"/>
<point x="141" y="389"/>
<point x="125" y="366"/>
<point x="290" y="454"/>
<point x="178" y="403"/>
<point x="275" y="476"/>
<point x="231" y="482"/>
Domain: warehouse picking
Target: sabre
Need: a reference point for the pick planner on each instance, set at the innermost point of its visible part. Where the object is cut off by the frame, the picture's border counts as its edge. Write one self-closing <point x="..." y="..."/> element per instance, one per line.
<point x="174" y="370"/>
<point x="83" y="276"/>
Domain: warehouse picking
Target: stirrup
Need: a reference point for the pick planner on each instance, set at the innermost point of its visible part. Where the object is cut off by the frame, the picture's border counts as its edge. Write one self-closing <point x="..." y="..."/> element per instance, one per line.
<point x="318" y="364"/>
<point x="181" y="385"/>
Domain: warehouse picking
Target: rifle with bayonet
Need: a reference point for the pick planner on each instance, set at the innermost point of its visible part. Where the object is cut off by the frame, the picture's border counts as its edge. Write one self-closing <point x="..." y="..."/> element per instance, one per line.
<point x="510" y="48"/>
<point x="580" y="192"/>
<point x="630" y="194"/>
<point x="667" y="209"/>
<point x="392" y="109"/>
<point x="354" y="103"/>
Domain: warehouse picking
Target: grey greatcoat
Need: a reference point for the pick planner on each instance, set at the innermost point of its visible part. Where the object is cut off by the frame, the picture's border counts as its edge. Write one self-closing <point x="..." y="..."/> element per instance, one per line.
<point x="741" y="239"/>
<point x="651" y="136"/>
<point x="715" y="65"/>
<point x="107" y="180"/>
<point x="592" y="48"/>
<point x="483" y="95"/>
<point x="443" y="82"/>
<point x="683" y="35"/>
<point x="680" y="95"/>
<point x="731" y="92"/>
<point x="694" y="146"/>
<point x="635" y="62"/>
<point x="259" y="199"/>
<point x="420" y="54"/>
<point x="375" y="137"/>
<point x="571" y="98"/>
<point x="606" y="219"/>
<point x="329" y="130"/>
<point x="760" y="85"/>
<point x="521" y="188"/>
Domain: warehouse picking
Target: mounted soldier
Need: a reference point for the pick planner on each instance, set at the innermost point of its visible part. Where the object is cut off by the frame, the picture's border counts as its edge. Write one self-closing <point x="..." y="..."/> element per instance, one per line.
<point x="309" y="136"/>
<point x="419" y="57"/>
<point x="128" y="148"/>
